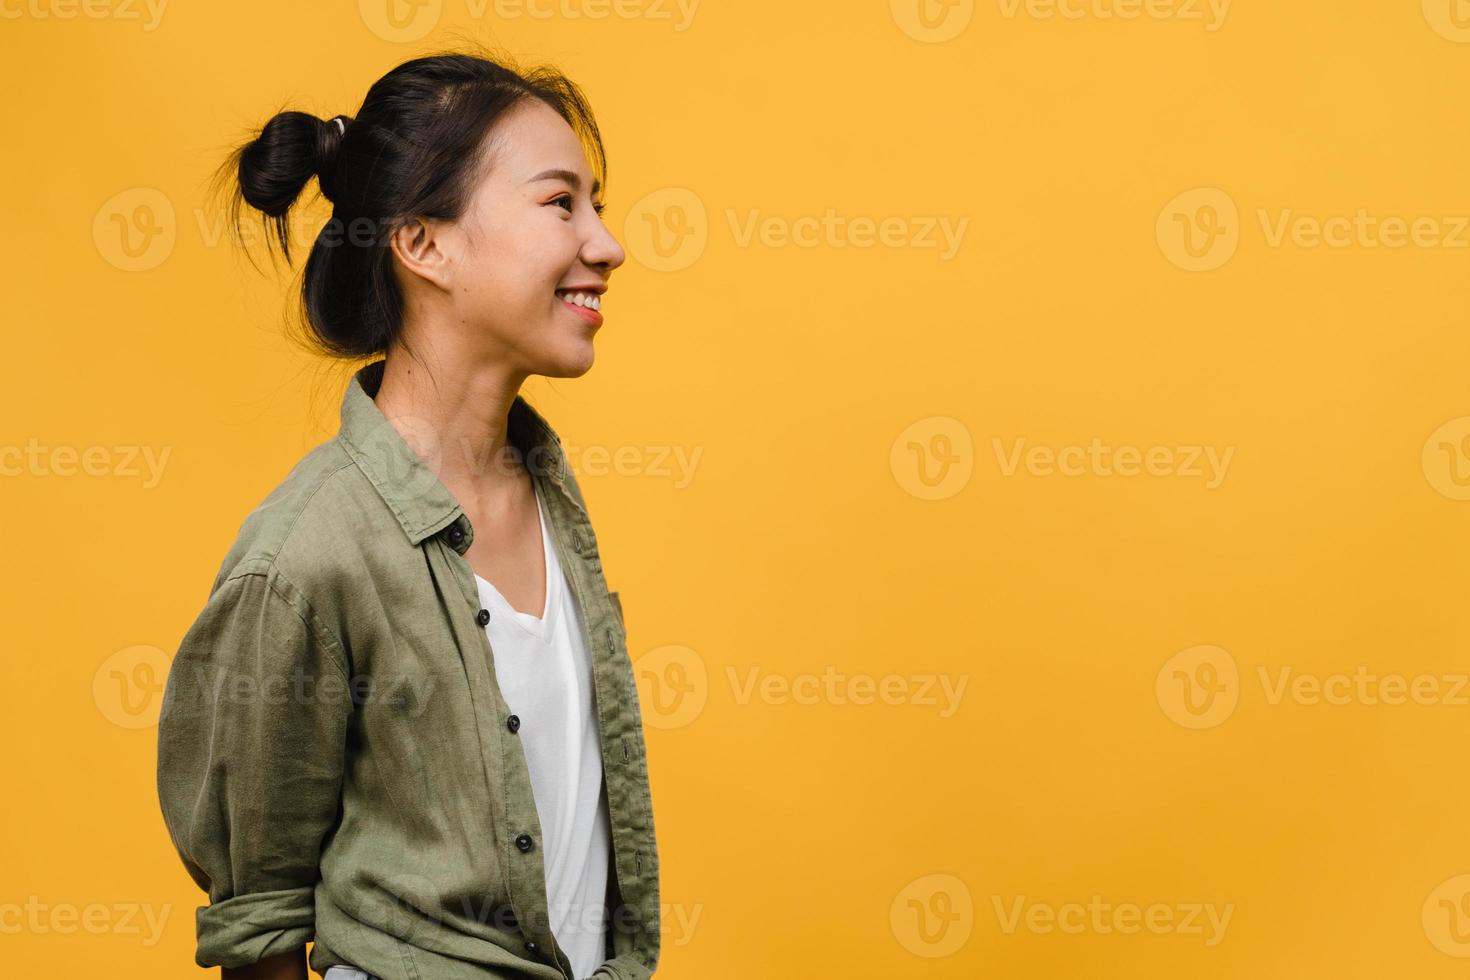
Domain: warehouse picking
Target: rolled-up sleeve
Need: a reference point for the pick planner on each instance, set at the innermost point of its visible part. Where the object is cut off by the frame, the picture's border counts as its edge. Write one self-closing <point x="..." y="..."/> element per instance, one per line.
<point x="625" y="967"/>
<point x="251" y="738"/>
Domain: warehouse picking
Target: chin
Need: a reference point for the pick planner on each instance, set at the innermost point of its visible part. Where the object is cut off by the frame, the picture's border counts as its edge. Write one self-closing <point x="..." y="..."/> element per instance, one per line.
<point x="571" y="362"/>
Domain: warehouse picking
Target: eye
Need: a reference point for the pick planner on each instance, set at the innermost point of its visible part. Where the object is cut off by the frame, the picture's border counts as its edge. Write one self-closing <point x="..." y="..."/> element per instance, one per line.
<point x="599" y="208"/>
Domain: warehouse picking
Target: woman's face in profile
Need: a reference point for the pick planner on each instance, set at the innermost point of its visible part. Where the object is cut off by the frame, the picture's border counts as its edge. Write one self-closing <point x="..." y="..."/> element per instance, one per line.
<point x="530" y="231"/>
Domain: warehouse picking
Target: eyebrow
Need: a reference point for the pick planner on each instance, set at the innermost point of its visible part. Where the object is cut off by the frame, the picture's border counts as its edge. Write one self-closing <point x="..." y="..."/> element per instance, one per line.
<point x="567" y="175"/>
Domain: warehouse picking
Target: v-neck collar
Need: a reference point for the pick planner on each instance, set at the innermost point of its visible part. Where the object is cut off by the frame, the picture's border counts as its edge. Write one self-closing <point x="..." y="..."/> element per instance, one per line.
<point x="542" y="626"/>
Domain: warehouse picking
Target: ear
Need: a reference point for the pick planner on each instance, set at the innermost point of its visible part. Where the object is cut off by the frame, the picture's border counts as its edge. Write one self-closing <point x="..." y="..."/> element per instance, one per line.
<point x="419" y="248"/>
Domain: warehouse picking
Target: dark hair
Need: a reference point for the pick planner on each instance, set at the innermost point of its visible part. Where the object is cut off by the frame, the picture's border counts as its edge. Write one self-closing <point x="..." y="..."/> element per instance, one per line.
<point x="415" y="148"/>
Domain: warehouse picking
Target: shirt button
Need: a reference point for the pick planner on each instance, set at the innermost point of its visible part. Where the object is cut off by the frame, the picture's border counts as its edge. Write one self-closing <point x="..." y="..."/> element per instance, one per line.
<point x="456" y="534"/>
<point x="513" y="723"/>
<point x="531" y="946"/>
<point x="524" y="842"/>
<point x="483" y="617"/>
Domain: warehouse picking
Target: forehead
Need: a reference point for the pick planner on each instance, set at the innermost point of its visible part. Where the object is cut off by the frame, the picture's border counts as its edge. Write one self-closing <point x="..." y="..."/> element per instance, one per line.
<point x="533" y="138"/>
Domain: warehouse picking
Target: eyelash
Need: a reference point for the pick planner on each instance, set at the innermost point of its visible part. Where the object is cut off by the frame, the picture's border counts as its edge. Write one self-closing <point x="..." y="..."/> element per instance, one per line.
<point x="599" y="208"/>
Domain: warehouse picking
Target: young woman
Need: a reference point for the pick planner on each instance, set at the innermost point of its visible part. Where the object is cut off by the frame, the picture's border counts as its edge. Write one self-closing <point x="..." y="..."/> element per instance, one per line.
<point x="405" y="725"/>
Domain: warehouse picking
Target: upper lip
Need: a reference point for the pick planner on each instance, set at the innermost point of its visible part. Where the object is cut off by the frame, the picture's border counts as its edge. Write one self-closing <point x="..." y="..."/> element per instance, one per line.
<point x="591" y="287"/>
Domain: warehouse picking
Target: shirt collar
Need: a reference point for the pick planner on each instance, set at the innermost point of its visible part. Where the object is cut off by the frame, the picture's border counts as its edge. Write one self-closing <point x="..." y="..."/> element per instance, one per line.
<point x="412" y="491"/>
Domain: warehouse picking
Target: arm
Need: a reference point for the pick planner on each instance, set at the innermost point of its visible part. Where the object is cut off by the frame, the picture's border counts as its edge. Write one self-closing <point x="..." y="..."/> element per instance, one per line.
<point x="282" y="966"/>
<point x="251" y="740"/>
<point x="625" y="967"/>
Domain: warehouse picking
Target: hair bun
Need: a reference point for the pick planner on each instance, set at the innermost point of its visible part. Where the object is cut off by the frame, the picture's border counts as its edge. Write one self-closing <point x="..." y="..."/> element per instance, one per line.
<point x="330" y="134"/>
<point x="292" y="148"/>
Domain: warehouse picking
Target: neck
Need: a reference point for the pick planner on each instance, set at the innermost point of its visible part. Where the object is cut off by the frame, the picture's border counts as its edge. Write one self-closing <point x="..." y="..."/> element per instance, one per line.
<point x="454" y="417"/>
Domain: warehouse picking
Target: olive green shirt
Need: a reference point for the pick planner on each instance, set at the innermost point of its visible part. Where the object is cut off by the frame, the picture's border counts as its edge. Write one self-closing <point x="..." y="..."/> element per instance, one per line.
<point x="336" y="763"/>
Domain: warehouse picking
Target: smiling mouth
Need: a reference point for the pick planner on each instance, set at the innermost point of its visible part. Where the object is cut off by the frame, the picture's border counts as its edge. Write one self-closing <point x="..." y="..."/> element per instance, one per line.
<point x="585" y="310"/>
<point x="587" y="301"/>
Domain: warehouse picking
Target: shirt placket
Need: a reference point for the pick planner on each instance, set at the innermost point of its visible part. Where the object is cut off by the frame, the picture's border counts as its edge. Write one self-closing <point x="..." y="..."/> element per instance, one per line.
<point x="618" y="728"/>
<point x="520" y="836"/>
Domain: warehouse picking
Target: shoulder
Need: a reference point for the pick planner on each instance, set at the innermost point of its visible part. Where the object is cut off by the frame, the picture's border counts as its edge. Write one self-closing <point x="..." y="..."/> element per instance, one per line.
<point x="307" y="523"/>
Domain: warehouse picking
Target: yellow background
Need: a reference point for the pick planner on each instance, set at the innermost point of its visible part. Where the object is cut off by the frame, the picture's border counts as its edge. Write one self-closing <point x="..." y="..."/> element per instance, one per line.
<point x="823" y="386"/>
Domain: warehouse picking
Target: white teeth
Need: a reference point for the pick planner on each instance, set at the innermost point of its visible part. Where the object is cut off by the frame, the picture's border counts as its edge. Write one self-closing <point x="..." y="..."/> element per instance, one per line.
<point x="590" y="300"/>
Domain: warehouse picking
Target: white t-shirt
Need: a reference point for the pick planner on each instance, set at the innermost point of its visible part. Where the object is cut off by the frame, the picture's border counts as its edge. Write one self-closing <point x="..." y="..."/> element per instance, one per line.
<point x="545" y="675"/>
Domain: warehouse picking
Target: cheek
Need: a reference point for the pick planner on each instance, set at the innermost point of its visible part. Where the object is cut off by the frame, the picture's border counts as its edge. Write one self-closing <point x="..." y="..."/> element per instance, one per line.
<point x="508" y="277"/>
<point x="519" y="259"/>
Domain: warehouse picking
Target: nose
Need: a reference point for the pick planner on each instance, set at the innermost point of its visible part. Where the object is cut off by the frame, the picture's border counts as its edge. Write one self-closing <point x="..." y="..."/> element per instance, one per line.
<point x="601" y="250"/>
